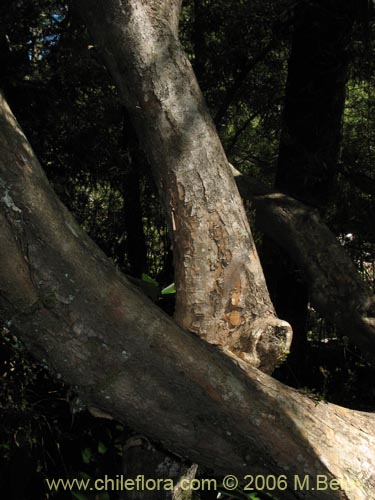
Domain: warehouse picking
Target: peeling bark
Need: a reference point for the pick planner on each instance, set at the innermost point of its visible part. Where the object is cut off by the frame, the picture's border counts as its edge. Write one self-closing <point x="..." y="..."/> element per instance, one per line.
<point x="221" y="291"/>
<point x="126" y="358"/>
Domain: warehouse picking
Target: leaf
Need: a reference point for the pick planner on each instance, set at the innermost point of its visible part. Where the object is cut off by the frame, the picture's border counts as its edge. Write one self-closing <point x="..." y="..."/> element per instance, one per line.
<point x="86" y="455"/>
<point x="147" y="279"/>
<point x="169" y="289"/>
<point x="102" y="448"/>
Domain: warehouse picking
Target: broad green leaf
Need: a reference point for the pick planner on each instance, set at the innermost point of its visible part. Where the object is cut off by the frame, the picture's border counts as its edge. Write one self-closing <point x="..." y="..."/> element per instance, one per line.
<point x="86" y="455"/>
<point x="102" y="448"/>
<point x="147" y="279"/>
<point x="169" y="289"/>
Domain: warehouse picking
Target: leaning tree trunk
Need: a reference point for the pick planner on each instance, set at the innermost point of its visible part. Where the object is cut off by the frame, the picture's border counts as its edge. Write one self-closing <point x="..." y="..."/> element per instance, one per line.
<point x="221" y="292"/>
<point x="141" y="457"/>
<point x="336" y="289"/>
<point x="78" y="314"/>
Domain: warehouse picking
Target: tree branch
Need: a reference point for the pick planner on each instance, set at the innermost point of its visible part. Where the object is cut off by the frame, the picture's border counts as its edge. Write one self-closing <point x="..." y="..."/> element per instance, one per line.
<point x="336" y="289"/>
<point x="125" y="357"/>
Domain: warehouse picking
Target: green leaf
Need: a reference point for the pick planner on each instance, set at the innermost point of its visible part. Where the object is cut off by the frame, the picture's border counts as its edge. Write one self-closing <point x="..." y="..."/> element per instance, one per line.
<point x="169" y="289"/>
<point x="147" y="279"/>
<point x="102" y="448"/>
<point x="254" y="496"/>
<point x="86" y="455"/>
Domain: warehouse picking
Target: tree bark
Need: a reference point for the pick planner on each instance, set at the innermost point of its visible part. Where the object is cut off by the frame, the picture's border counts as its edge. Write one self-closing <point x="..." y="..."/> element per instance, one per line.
<point x="309" y="145"/>
<point x="336" y="289"/>
<point x="81" y="317"/>
<point x="221" y="291"/>
<point x="141" y="457"/>
<point x="314" y="101"/>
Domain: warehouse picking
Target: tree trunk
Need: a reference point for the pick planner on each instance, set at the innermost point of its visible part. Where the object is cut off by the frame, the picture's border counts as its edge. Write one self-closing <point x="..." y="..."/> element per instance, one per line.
<point x="221" y="292"/>
<point x="310" y="142"/>
<point x="140" y="457"/>
<point x="314" y="101"/>
<point x="336" y="289"/>
<point x="82" y="318"/>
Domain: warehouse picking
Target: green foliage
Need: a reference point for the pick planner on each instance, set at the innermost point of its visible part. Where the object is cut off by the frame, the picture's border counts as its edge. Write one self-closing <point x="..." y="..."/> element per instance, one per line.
<point x="169" y="289"/>
<point x="147" y="279"/>
<point x="102" y="448"/>
<point x="86" y="455"/>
